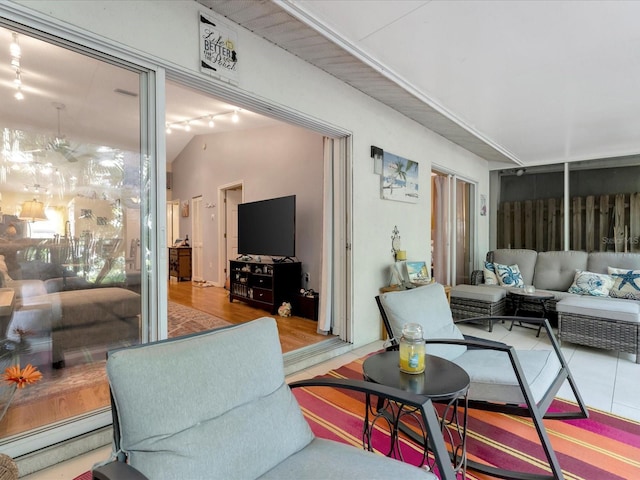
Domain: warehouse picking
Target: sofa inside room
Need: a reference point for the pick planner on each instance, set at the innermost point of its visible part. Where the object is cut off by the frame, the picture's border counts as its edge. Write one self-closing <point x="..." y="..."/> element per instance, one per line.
<point x="55" y="310"/>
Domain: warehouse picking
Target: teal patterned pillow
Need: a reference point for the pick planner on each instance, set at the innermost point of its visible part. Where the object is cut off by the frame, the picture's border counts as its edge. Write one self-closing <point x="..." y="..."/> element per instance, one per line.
<point x="589" y="283"/>
<point x="509" y="275"/>
<point x="489" y="271"/>
<point x="627" y="283"/>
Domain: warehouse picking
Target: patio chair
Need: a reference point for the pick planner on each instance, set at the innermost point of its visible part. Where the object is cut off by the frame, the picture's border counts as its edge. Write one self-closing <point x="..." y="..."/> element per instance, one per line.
<point x="216" y="405"/>
<point x="517" y="382"/>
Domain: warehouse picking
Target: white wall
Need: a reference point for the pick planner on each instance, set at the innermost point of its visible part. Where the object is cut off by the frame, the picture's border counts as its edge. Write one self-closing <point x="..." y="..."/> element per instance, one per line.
<point x="169" y="30"/>
<point x="270" y="162"/>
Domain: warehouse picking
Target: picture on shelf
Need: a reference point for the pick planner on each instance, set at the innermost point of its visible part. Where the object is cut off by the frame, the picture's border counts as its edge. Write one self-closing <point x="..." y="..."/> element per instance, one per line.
<point x="418" y="272"/>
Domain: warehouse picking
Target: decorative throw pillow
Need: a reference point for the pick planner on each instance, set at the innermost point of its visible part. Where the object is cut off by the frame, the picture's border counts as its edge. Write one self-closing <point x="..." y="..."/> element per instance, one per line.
<point x="509" y="275"/>
<point x="589" y="283"/>
<point x="490" y="277"/>
<point x="627" y="283"/>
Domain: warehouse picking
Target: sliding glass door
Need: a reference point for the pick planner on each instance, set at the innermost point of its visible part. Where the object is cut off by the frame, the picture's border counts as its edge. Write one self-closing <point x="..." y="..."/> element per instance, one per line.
<point x="76" y="170"/>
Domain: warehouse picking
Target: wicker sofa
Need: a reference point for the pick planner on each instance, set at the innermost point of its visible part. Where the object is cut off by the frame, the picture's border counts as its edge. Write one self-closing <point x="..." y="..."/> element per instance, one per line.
<point x="601" y="322"/>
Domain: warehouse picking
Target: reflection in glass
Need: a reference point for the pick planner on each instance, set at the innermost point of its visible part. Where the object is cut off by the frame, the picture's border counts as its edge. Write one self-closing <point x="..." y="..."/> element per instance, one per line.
<point x="69" y="233"/>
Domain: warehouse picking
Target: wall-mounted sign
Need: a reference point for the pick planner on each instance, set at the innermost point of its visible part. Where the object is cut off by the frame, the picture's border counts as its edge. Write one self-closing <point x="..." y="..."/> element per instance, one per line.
<point x="218" y="48"/>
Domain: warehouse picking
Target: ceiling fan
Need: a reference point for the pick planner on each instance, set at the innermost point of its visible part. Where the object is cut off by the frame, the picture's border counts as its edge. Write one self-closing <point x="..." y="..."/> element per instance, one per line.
<point x="60" y="144"/>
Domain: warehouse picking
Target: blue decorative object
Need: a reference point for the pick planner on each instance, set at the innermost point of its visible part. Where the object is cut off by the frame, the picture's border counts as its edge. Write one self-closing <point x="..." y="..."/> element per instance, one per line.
<point x="509" y="275"/>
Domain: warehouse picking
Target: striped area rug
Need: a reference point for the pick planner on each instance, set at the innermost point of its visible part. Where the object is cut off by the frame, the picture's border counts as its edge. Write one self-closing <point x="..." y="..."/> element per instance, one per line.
<point x="603" y="446"/>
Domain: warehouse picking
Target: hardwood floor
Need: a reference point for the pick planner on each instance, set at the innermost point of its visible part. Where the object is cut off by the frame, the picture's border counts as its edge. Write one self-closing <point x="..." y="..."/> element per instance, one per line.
<point x="73" y="391"/>
<point x="295" y="332"/>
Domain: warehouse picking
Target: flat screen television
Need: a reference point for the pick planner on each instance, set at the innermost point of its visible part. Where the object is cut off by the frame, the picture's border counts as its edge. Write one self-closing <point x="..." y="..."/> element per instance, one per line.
<point x="268" y="227"/>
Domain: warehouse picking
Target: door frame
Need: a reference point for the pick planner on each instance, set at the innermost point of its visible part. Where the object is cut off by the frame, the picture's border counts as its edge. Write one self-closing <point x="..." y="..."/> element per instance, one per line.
<point x="222" y="228"/>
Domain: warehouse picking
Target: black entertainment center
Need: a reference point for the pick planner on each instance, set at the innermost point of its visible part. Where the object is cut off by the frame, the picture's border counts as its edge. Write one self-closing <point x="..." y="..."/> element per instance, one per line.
<point x="264" y="284"/>
<point x="266" y="228"/>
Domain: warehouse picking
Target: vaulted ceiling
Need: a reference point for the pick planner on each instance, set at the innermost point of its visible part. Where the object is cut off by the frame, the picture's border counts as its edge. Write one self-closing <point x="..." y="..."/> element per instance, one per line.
<point x="517" y="83"/>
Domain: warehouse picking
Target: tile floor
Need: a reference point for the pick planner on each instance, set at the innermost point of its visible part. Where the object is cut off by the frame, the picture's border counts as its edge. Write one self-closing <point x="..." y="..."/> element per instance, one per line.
<point x="607" y="381"/>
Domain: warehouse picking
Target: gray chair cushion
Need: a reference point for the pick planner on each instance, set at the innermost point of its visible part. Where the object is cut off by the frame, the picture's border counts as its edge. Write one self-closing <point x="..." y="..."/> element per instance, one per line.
<point x="171" y="429"/>
<point x="493" y="379"/>
<point x="346" y="463"/>
<point x="428" y="306"/>
<point x="525" y="259"/>
<point x="556" y="270"/>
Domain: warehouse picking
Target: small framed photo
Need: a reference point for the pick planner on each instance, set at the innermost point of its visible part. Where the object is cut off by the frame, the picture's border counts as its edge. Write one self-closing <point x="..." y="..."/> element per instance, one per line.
<point x="418" y="272"/>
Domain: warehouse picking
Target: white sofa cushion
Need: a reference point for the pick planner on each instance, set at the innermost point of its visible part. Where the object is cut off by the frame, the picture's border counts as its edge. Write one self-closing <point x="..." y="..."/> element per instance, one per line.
<point x="610" y="308"/>
<point x="599" y="262"/>
<point x="556" y="270"/>
<point x="490" y="294"/>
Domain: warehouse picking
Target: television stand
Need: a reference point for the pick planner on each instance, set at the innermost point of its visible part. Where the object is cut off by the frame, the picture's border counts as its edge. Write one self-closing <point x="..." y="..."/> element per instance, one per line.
<point x="283" y="260"/>
<point x="265" y="284"/>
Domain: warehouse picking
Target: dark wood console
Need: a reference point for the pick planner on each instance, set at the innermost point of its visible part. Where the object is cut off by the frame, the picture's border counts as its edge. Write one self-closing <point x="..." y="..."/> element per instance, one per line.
<point x="264" y="284"/>
<point x="180" y="263"/>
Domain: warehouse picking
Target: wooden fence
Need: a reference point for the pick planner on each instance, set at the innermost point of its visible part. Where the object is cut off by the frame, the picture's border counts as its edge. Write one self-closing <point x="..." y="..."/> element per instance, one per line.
<point x="597" y="223"/>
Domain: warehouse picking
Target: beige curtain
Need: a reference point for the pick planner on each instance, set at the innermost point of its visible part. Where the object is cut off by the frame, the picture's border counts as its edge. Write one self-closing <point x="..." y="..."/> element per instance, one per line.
<point x="440" y="234"/>
<point x="325" y="310"/>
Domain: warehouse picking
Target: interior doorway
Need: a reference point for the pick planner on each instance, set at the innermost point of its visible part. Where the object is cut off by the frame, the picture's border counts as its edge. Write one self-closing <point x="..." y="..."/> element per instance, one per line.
<point x="231" y="197"/>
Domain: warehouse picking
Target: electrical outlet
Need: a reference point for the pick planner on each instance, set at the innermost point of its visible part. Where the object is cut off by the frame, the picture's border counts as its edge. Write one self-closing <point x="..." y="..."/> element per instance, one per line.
<point x="306" y="277"/>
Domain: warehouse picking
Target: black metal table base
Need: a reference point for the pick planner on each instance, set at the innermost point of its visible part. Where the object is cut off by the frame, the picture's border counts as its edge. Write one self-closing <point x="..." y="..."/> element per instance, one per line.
<point x="407" y="421"/>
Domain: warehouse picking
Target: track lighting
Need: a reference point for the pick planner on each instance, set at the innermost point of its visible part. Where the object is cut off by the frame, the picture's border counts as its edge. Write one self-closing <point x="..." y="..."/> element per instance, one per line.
<point x="16" y="54"/>
<point x="186" y="124"/>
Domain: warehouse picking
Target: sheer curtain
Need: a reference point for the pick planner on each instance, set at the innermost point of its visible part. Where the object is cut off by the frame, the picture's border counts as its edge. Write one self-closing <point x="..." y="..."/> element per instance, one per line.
<point x="325" y="310"/>
<point x="440" y="228"/>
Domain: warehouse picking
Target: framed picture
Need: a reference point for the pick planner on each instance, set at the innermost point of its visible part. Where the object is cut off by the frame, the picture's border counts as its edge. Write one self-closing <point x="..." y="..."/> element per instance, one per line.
<point x="399" y="179"/>
<point x="418" y="272"/>
<point x="185" y="209"/>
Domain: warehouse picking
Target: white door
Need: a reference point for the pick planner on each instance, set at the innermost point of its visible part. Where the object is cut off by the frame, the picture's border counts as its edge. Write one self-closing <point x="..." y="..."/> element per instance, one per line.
<point x="196" y="241"/>
<point x="173" y="221"/>
<point x="233" y="197"/>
